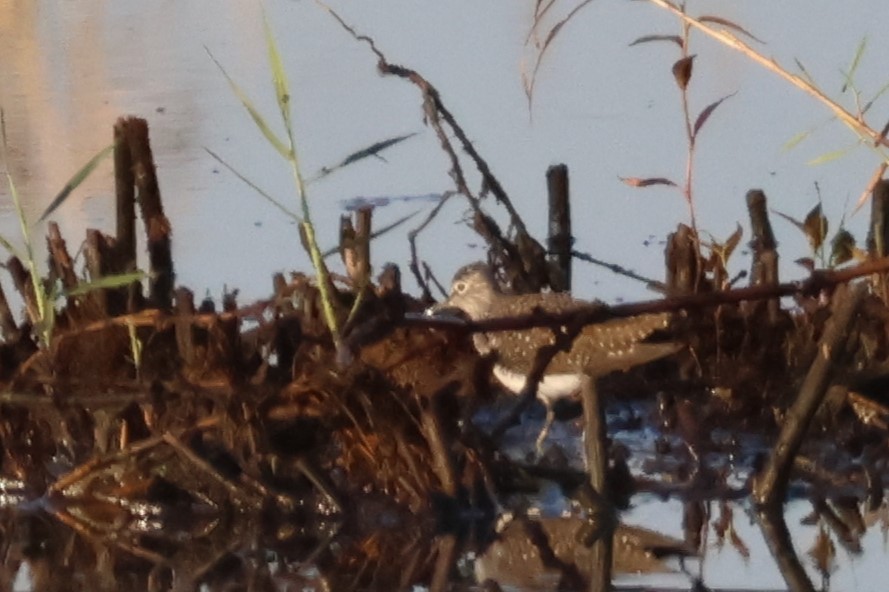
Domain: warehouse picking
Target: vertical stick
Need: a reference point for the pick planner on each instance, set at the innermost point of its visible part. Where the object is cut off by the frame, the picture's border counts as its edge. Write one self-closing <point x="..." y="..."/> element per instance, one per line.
<point x="682" y="262"/>
<point x="157" y="227"/>
<point x="94" y="253"/>
<point x="431" y="421"/>
<point x="22" y="281"/>
<point x="59" y="258"/>
<point x="596" y="448"/>
<point x="878" y="235"/>
<point x="8" y="326"/>
<point x="125" y="204"/>
<point x="777" y="537"/>
<point x="764" y="270"/>
<point x="363" y="224"/>
<point x="184" y="318"/>
<point x="125" y="197"/>
<point x="560" y="240"/>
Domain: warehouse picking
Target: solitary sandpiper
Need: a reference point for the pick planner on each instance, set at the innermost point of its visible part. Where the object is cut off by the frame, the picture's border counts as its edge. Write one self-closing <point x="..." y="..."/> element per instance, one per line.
<point x="598" y="350"/>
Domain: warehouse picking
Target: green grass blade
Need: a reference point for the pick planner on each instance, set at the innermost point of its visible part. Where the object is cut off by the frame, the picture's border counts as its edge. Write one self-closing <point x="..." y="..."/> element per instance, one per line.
<point x="13" y="190"/>
<point x="829" y="156"/>
<point x="258" y="119"/>
<point x="42" y="301"/>
<point x="279" y="76"/>
<point x="108" y="281"/>
<point x="796" y="140"/>
<point x="253" y="186"/>
<point x="75" y="181"/>
<point x="856" y="61"/>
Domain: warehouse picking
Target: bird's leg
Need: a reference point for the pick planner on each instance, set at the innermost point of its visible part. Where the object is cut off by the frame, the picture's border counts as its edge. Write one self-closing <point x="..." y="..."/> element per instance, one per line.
<point x="550" y="418"/>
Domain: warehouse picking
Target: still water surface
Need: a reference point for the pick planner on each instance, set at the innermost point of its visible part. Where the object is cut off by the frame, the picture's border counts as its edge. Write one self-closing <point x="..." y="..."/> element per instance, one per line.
<point x="606" y="109"/>
<point x="69" y="69"/>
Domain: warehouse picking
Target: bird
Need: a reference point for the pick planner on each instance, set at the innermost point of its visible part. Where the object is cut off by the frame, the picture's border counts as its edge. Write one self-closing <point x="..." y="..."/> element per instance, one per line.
<point x="599" y="349"/>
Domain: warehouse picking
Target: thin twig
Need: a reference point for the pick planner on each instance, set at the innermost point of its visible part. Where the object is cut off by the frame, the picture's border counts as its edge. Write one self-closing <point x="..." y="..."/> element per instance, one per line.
<point x="599" y="312"/>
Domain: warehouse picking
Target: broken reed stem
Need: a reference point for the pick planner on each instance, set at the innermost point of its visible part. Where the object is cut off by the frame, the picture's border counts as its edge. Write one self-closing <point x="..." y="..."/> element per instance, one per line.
<point x="431" y="418"/>
<point x="23" y="282"/>
<point x="682" y="261"/>
<point x="560" y="240"/>
<point x="60" y="260"/>
<point x="95" y="265"/>
<point x="125" y="197"/>
<point x="8" y="326"/>
<point x="770" y="486"/>
<point x="595" y="443"/>
<point x="157" y="227"/>
<point x="764" y="269"/>
<point x="878" y="234"/>
<point x="185" y="311"/>
<point x="594" y="436"/>
<point x="355" y="253"/>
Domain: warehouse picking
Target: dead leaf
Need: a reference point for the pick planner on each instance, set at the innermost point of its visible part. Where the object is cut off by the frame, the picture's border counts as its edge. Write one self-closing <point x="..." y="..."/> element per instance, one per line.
<point x="823" y="553"/>
<point x="727" y="23"/>
<point x="649" y="38"/>
<point x="815" y="227"/>
<point x="708" y="110"/>
<point x="842" y="247"/>
<point x="682" y="71"/>
<point x="733" y="241"/>
<point x="647" y="182"/>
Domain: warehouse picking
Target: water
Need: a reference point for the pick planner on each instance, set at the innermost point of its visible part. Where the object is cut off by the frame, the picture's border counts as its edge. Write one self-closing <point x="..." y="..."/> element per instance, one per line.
<point x="605" y="109"/>
<point x="68" y="69"/>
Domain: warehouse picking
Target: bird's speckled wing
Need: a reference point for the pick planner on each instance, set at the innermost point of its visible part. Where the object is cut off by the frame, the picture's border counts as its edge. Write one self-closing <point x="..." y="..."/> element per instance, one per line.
<point x="599" y="349"/>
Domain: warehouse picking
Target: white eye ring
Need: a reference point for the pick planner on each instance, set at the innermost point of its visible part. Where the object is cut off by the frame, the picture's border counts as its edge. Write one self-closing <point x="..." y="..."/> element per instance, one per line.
<point x="460" y="287"/>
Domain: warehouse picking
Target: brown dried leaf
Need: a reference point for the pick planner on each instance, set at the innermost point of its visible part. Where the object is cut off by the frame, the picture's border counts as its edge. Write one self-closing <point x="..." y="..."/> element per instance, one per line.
<point x="647" y="182"/>
<point x="682" y="71"/>
<point x="649" y="38"/>
<point x="823" y="553"/>
<point x="733" y="241"/>
<point x="815" y="227"/>
<point x="708" y="110"/>
<point x="806" y="262"/>
<point x="790" y="219"/>
<point x="727" y="23"/>
<point x="842" y="247"/>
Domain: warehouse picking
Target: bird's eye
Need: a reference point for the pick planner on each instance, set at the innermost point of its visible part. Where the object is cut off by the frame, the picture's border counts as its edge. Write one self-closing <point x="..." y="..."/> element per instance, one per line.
<point x="460" y="287"/>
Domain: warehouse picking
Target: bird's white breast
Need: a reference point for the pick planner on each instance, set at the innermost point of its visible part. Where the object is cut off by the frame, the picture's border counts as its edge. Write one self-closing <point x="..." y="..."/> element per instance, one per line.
<point x="551" y="388"/>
